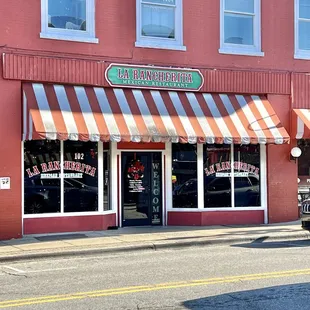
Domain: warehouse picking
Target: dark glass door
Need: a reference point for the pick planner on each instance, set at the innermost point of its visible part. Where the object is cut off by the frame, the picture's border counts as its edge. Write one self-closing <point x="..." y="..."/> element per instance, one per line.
<point x="141" y="188"/>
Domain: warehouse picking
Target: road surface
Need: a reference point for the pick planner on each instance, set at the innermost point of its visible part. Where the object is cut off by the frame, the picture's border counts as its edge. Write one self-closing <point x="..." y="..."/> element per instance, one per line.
<point x="256" y="276"/>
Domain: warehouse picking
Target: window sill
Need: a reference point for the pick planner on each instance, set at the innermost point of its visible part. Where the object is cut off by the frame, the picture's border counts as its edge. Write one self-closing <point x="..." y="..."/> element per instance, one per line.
<point x="68" y="38"/>
<point x="161" y="46"/>
<point x="65" y="214"/>
<point x="302" y="55"/>
<point x="235" y="209"/>
<point x="241" y="52"/>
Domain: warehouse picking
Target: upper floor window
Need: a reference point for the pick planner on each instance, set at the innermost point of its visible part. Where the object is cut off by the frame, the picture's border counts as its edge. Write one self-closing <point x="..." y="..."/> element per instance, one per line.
<point x="160" y="24"/>
<point x="302" y="29"/>
<point x="240" y="27"/>
<point x="72" y="20"/>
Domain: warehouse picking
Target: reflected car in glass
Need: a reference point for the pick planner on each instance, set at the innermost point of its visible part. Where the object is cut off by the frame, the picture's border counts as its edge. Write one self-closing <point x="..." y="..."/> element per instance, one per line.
<point x="43" y="196"/>
<point x="217" y="192"/>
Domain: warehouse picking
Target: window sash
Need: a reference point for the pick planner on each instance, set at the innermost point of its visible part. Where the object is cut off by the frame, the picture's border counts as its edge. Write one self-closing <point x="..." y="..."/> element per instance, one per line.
<point x="159" y="5"/>
<point x="66" y="34"/>
<point x="244" y="49"/>
<point x="161" y="42"/>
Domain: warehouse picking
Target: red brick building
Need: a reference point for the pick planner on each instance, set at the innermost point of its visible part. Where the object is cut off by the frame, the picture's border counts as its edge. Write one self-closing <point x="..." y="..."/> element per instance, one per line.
<point x="150" y="112"/>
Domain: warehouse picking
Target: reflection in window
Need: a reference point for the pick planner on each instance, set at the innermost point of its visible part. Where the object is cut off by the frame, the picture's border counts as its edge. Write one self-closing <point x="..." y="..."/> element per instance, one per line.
<point x="184" y="175"/>
<point x="239" y="22"/>
<point x="247" y="172"/>
<point x="67" y="14"/>
<point x="219" y="168"/>
<point x="304" y="170"/>
<point x="158" y="18"/>
<point x="81" y="176"/>
<point x="41" y="177"/>
<point x="106" y="182"/>
<point x="217" y="171"/>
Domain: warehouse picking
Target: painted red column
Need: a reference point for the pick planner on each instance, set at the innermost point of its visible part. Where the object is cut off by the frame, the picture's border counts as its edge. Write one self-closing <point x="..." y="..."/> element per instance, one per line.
<point x="10" y="158"/>
<point x="282" y="186"/>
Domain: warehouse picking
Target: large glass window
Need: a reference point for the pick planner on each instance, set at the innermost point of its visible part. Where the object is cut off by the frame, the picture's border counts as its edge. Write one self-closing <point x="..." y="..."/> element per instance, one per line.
<point x="159" y="23"/>
<point x="217" y="167"/>
<point x="246" y="175"/>
<point x="41" y="177"/>
<point x="81" y="176"/>
<point x="106" y="183"/>
<point x="184" y="175"/>
<point x="304" y="170"/>
<point x="48" y="190"/>
<point x="68" y="20"/>
<point x="240" y="26"/>
<point x="231" y="181"/>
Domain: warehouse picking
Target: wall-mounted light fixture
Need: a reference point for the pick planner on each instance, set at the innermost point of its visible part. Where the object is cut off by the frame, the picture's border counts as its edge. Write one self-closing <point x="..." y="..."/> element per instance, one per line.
<point x="295" y="153"/>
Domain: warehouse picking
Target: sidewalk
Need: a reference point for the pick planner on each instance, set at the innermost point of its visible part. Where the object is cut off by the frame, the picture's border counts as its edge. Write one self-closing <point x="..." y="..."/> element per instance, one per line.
<point x="144" y="238"/>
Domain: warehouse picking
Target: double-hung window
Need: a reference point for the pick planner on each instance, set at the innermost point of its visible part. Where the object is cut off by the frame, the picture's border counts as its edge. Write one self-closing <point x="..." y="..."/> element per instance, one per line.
<point x="240" y="23"/>
<point x="72" y="20"/>
<point x="160" y="24"/>
<point x="302" y="29"/>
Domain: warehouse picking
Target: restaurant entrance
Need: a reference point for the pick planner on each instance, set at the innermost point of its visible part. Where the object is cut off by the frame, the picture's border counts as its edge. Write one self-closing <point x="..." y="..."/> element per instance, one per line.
<point x="141" y="188"/>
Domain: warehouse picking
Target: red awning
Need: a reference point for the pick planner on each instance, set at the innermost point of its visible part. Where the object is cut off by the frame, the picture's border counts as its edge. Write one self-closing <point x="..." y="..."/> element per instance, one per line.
<point x="96" y="113"/>
<point x="301" y="123"/>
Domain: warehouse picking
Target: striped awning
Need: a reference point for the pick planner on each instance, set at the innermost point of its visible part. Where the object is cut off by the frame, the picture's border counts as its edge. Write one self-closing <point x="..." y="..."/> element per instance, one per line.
<point x="115" y="114"/>
<point x="301" y="123"/>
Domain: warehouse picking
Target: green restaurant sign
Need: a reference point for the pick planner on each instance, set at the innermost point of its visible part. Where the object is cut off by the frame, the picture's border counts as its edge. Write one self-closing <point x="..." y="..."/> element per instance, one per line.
<point x="154" y="77"/>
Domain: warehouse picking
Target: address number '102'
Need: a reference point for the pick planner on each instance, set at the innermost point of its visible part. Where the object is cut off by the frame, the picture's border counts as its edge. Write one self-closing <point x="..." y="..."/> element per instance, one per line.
<point x="79" y="156"/>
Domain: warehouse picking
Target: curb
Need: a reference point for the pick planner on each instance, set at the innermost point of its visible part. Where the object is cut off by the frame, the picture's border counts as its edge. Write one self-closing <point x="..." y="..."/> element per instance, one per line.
<point x="151" y="246"/>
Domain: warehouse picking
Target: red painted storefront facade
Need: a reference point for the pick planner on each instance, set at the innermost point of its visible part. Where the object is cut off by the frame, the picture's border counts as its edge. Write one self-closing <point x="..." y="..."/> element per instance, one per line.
<point x="27" y="58"/>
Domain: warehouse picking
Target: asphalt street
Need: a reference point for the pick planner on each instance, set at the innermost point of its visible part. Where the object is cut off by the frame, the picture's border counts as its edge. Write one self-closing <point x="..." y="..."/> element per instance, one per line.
<point x="261" y="275"/>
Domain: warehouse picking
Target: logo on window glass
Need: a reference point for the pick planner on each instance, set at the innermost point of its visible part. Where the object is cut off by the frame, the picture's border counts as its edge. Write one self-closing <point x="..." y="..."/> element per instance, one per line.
<point x="49" y="170"/>
<point x="218" y="169"/>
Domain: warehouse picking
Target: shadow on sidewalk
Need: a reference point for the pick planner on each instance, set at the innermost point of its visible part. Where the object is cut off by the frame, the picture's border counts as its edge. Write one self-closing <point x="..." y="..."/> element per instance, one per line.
<point x="292" y="297"/>
<point x="260" y="244"/>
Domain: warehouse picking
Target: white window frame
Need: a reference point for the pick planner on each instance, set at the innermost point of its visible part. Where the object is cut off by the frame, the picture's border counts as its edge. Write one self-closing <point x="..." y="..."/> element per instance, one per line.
<point x="299" y="53"/>
<point x="101" y="153"/>
<point x="241" y="49"/>
<point x="87" y="36"/>
<point x="200" y="185"/>
<point x="161" y="43"/>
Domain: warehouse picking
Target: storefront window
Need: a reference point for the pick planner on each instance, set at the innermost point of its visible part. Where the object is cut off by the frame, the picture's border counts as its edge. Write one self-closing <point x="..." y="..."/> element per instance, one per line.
<point x="106" y="183"/>
<point x="184" y="175"/>
<point x="80" y="176"/>
<point x="44" y="181"/>
<point x="231" y="182"/>
<point x="217" y="171"/>
<point x="304" y="170"/>
<point x="246" y="173"/>
<point x="41" y="177"/>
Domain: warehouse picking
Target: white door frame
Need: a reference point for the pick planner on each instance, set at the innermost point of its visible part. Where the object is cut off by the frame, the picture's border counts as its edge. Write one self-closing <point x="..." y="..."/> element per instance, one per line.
<point x="116" y="180"/>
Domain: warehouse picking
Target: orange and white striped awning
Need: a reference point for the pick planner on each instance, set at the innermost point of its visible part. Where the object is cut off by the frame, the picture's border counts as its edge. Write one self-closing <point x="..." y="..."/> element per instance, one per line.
<point x="103" y="114"/>
<point x="301" y="123"/>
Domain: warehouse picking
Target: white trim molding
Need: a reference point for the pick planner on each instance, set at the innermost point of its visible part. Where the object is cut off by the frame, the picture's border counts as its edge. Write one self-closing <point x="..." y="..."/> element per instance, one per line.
<point x="299" y="53"/>
<point x="87" y="36"/>
<point x="242" y="49"/>
<point x="161" y="43"/>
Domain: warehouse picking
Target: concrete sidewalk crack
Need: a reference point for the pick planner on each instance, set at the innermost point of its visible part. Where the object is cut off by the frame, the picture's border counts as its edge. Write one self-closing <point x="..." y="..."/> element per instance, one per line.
<point x="14" y="274"/>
